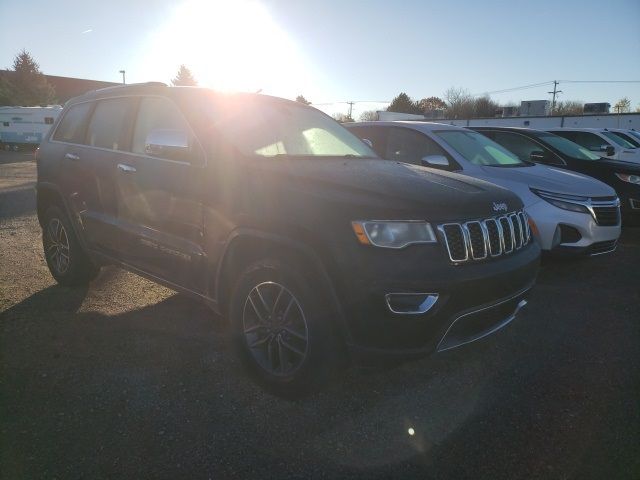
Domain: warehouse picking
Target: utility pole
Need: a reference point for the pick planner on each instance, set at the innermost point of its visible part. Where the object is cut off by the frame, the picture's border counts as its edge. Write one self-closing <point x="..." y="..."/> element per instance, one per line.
<point x="555" y="92"/>
<point x="122" y="72"/>
<point x="350" y="108"/>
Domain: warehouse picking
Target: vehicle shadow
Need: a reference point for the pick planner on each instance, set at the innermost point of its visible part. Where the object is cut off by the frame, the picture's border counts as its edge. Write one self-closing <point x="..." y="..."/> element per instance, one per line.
<point x="156" y="392"/>
<point x="17" y="202"/>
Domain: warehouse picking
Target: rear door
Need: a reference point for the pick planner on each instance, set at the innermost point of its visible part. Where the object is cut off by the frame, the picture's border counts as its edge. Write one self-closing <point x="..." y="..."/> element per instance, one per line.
<point x="107" y="138"/>
<point x="159" y="187"/>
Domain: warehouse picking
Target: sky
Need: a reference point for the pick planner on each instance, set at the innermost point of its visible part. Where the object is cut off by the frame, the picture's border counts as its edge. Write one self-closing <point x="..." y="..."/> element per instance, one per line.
<point x="337" y="51"/>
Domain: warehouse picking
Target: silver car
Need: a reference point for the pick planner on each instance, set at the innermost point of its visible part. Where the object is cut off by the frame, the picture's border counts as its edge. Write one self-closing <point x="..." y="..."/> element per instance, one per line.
<point x="569" y="212"/>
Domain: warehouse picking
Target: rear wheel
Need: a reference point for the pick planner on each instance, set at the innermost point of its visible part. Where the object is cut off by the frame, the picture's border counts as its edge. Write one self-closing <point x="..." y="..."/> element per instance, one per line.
<point x="283" y="328"/>
<point x="66" y="260"/>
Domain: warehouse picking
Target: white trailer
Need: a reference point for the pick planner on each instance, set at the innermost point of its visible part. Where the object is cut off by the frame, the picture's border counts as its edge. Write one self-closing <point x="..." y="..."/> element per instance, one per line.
<point x="25" y="126"/>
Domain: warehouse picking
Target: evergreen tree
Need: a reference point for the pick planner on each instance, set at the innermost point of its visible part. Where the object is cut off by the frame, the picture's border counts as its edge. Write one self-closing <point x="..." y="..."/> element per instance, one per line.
<point x="403" y="104"/>
<point x="184" y="78"/>
<point x="27" y="86"/>
<point x="303" y="100"/>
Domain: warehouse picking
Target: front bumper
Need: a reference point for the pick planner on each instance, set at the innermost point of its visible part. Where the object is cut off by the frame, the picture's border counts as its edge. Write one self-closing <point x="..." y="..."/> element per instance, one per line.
<point x="463" y="292"/>
<point x="549" y="219"/>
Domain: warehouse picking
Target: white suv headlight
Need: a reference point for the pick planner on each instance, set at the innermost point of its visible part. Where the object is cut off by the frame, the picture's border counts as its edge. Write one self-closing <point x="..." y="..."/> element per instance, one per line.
<point x="393" y="234"/>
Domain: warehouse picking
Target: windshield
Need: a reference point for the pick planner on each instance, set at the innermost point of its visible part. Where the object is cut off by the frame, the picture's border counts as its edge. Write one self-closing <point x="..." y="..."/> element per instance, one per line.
<point x="629" y="138"/>
<point x="268" y="128"/>
<point x="618" y="140"/>
<point x="634" y="134"/>
<point x="568" y="147"/>
<point x="478" y="149"/>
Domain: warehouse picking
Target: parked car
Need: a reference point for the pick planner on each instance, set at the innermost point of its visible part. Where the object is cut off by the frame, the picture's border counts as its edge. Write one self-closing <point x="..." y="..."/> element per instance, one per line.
<point x="570" y="213"/>
<point x="600" y="141"/>
<point x="627" y="135"/>
<point x="549" y="149"/>
<point x="273" y="214"/>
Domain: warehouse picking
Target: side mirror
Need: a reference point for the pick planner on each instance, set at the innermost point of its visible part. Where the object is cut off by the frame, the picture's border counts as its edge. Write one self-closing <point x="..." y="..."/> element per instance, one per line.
<point x="435" y="161"/>
<point x="170" y="144"/>
<point x="609" y="150"/>
<point x="537" y="156"/>
<point x="368" y="142"/>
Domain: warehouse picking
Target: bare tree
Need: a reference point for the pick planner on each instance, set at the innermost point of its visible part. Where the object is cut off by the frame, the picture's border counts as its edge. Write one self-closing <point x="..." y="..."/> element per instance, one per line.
<point x="484" y="107"/>
<point x="369" y="116"/>
<point x="342" y="117"/>
<point x="623" y="105"/>
<point x="569" y="107"/>
<point x="460" y="103"/>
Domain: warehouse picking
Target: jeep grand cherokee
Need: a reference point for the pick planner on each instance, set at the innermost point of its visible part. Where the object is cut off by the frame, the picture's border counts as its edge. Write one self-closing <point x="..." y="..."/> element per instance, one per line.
<point x="269" y="211"/>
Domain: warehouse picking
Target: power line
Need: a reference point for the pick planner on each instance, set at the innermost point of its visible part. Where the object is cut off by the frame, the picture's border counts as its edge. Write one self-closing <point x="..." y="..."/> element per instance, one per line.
<point x="513" y="89"/>
<point x="599" y="81"/>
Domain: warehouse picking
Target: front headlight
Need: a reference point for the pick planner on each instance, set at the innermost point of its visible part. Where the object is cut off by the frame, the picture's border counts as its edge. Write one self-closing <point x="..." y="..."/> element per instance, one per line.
<point x="625" y="177"/>
<point x="393" y="234"/>
<point x="563" y="201"/>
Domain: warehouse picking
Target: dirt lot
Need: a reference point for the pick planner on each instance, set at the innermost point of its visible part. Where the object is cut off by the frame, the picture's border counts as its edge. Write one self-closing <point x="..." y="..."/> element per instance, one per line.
<point x="127" y="379"/>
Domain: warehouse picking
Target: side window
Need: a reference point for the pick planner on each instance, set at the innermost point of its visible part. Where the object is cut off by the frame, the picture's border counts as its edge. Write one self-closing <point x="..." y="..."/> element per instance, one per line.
<point x="409" y="146"/>
<point x="73" y="124"/>
<point x="590" y="140"/>
<point x="110" y="124"/>
<point x="523" y="146"/>
<point x="162" y="131"/>
<point x="373" y="134"/>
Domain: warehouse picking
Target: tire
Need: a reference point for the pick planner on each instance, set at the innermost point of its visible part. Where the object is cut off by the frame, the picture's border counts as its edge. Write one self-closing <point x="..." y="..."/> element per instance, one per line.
<point x="67" y="262"/>
<point x="283" y="329"/>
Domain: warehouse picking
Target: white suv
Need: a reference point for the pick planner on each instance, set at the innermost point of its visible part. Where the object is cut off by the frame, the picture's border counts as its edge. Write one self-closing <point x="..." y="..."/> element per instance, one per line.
<point x="569" y="212"/>
<point x="601" y="141"/>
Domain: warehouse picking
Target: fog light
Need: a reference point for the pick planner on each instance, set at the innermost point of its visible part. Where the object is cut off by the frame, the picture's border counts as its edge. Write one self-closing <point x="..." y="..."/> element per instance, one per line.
<point x="410" y="303"/>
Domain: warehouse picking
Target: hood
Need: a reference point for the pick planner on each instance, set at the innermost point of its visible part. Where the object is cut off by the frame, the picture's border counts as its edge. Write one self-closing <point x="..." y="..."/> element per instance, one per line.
<point x="378" y="187"/>
<point x="618" y="165"/>
<point x="550" y="179"/>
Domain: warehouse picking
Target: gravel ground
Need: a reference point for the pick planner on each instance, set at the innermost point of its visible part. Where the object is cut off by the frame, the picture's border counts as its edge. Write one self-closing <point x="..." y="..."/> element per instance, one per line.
<point x="127" y="379"/>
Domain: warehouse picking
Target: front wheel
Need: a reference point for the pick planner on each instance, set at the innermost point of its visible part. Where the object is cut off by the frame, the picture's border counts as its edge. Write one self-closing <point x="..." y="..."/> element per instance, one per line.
<point x="67" y="262"/>
<point x="283" y="328"/>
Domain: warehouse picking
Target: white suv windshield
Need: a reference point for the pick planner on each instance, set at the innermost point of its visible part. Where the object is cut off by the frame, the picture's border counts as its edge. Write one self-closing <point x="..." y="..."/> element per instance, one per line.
<point x="268" y="128"/>
<point x="568" y="147"/>
<point x="479" y="149"/>
<point x="618" y="140"/>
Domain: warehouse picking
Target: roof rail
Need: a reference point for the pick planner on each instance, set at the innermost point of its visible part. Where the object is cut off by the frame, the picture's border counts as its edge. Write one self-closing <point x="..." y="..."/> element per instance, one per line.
<point x="147" y="84"/>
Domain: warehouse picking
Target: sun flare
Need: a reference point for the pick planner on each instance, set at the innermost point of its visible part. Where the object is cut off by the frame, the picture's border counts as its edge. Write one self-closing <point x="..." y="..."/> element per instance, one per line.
<point x="228" y="45"/>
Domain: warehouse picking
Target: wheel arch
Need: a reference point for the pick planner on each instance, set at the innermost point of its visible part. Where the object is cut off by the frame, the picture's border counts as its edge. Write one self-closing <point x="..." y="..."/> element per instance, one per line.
<point x="247" y="245"/>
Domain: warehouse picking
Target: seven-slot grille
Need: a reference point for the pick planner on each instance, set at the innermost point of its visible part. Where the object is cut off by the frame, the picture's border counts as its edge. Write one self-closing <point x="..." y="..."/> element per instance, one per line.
<point x="492" y="237"/>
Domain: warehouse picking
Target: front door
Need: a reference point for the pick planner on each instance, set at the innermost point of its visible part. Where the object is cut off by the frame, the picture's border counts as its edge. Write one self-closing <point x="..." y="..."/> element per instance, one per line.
<point x="159" y="188"/>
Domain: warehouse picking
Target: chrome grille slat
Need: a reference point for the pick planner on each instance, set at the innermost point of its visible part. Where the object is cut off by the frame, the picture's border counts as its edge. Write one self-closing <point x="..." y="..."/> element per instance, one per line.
<point x="491" y="237"/>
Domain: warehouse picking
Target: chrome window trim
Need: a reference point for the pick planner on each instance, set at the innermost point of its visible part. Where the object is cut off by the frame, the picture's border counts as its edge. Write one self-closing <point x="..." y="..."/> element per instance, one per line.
<point x="135" y="96"/>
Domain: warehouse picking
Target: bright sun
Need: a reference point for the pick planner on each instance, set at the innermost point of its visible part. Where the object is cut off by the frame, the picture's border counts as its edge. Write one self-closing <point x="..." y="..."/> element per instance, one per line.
<point x="228" y="45"/>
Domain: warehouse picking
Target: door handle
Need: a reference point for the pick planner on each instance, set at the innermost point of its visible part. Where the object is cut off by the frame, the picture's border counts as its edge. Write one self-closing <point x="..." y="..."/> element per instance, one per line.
<point x="71" y="156"/>
<point x="124" y="168"/>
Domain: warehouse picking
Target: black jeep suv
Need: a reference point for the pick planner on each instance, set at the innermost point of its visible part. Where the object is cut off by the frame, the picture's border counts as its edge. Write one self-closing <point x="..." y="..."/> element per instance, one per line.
<point x="272" y="213"/>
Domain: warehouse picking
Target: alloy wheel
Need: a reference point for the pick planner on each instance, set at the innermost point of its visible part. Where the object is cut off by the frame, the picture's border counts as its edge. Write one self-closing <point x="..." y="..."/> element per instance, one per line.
<point x="275" y="328"/>
<point x="57" y="249"/>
